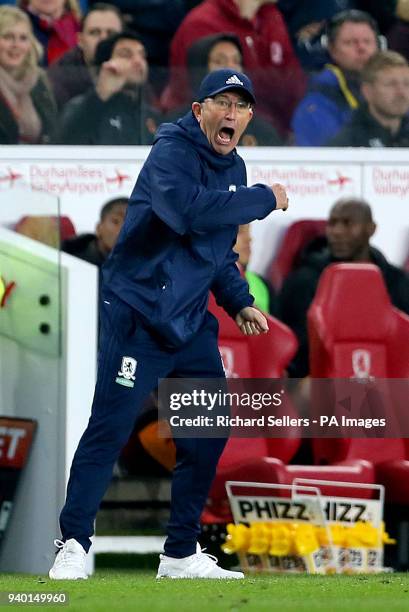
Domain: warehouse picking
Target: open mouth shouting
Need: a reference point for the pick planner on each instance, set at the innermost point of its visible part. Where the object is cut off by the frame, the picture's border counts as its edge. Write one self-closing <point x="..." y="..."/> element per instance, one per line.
<point x="223" y="121"/>
<point x="225" y="135"/>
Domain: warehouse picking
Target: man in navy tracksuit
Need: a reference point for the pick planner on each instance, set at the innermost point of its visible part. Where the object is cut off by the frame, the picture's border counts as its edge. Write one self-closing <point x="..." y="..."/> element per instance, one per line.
<point x="174" y="247"/>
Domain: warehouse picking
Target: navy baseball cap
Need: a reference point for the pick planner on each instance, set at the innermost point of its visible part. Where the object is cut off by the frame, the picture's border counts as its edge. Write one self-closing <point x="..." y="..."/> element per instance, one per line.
<point x="225" y="79"/>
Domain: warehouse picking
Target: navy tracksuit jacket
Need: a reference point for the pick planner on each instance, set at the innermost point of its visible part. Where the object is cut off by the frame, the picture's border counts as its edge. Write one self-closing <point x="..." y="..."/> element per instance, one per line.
<point x="174" y="247"/>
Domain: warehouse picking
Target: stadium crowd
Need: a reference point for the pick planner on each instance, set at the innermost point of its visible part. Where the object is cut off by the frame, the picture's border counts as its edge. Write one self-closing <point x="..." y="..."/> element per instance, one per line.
<point x="83" y="72"/>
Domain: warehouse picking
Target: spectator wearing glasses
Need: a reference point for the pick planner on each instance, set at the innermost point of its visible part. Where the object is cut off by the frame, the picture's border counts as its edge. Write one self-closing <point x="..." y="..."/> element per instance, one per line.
<point x="74" y="72"/>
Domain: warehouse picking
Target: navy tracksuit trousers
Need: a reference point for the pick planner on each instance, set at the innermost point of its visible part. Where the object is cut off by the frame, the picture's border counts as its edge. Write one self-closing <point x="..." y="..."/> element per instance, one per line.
<point x="114" y="411"/>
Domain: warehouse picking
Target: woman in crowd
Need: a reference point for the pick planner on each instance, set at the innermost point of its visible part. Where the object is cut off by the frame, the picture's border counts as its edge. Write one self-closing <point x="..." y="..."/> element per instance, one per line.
<point x="27" y="107"/>
<point x="56" y="24"/>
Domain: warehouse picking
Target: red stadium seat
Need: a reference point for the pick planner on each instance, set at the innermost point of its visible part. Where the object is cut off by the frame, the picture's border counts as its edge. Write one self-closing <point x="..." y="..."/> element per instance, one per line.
<point x="263" y="356"/>
<point x="354" y="331"/>
<point x="67" y="229"/>
<point x="297" y="236"/>
<point x="252" y="466"/>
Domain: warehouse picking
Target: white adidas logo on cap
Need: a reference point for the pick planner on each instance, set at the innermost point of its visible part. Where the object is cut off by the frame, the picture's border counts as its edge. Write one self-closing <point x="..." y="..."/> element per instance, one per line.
<point x="234" y="80"/>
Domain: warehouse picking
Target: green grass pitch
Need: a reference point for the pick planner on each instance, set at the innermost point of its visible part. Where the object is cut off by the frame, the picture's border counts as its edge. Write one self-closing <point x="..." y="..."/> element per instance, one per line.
<point x="140" y="592"/>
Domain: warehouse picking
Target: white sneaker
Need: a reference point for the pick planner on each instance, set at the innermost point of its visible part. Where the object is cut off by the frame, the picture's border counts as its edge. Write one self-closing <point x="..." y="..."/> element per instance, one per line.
<point x="69" y="563"/>
<point x="199" y="565"/>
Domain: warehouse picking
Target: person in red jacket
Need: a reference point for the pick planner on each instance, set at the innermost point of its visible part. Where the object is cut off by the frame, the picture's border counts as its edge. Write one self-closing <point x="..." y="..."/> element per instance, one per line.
<point x="268" y="55"/>
<point x="55" y="23"/>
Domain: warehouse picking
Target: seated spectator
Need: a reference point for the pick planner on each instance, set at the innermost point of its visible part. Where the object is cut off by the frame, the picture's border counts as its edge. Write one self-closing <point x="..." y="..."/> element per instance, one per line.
<point x="55" y="25"/>
<point x="382" y="121"/>
<point x="306" y="23"/>
<point x="156" y="21"/>
<point x="95" y="248"/>
<point x="334" y="92"/>
<point x="116" y="111"/>
<point x="224" y="51"/>
<point x="27" y="107"/>
<point x="73" y="73"/>
<point x="268" y="56"/>
<point x="260" y="289"/>
<point x="349" y="231"/>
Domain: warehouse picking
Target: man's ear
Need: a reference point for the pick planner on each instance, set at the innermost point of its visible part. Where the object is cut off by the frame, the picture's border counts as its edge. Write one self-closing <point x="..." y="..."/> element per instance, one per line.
<point x="79" y="39"/>
<point x="197" y="110"/>
<point x="251" y="114"/>
<point x="371" y="229"/>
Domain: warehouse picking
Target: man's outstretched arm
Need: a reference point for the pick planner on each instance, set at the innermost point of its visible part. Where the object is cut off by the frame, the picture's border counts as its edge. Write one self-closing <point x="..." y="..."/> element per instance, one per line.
<point x="181" y="200"/>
